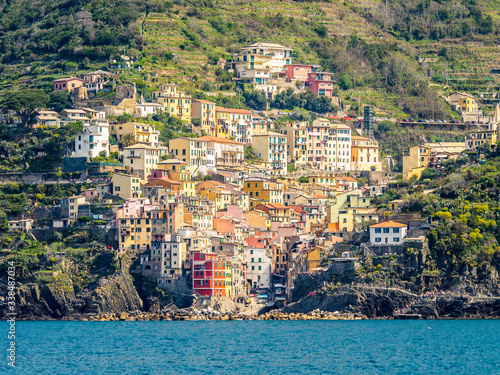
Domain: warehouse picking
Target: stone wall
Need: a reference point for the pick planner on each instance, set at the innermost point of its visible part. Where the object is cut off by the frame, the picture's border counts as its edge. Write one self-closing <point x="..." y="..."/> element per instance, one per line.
<point x="27" y="178"/>
<point x="374" y="177"/>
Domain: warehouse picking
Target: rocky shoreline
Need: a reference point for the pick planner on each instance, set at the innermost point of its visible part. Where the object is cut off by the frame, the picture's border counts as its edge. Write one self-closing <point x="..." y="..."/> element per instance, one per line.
<point x="191" y="314"/>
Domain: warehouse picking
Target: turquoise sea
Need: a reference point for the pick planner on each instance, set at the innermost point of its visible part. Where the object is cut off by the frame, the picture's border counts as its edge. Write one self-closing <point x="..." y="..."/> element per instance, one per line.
<point x="255" y="347"/>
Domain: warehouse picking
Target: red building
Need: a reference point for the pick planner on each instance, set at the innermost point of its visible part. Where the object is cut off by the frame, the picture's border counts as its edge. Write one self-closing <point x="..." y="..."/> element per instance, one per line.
<point x="208" y="272"/>
<point x="320" y="83"/>
<point x="158" y="174"/>
<point x="300" y="71"/>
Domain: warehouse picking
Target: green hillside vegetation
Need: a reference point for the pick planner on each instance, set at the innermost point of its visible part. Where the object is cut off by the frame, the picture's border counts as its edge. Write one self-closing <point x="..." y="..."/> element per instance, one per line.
<point x="464" y="209"/>
<point x="371" y="47"/>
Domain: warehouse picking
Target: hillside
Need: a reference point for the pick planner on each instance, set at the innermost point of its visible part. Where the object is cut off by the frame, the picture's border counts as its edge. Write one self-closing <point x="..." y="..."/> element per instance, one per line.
<point x="372" y="47"/>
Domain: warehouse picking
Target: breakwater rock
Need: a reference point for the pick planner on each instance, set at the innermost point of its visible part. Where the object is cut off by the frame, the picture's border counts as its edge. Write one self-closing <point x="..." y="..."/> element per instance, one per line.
<point x="192" y="314"/>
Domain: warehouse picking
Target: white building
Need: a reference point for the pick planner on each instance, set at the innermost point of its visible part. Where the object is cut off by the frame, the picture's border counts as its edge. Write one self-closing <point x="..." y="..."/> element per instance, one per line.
<point x="387" y="233"/>
<point x="340" y="147"/>
<point x="67" y="116"/>
<point x="258" y="268"/>
<point x="93" y="140"/>
<point x="144" y="109"/>
<point x="168" y="251"/>
<point x="227" y="153"/>
<point x="20" y="225"/>
<point x="271" y="147"/>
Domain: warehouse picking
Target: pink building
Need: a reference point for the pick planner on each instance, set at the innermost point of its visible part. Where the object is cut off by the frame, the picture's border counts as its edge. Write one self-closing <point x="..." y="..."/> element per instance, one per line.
<point x="90" y="194"/>
<point x="69" y="84"/>
<point x="232" y="210"/>
<point x="317" y="144"/>
<point x="158" y="174"/>
<point x="300" y="72"/>
<point x="320" y="83"/>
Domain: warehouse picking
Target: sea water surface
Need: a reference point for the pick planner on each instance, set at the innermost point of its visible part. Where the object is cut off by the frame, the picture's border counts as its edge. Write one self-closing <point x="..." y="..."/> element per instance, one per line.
<point x="255" y="347"/>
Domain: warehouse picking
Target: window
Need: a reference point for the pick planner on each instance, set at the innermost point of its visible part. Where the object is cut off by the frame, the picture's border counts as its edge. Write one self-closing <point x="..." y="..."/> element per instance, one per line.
<point x="378" y="230"/>
<point x="395" y="239"/>
<point x="378" y="239"/>
<point x="395" y="230"/>
<point x="386" y="230"/>
<point x="253" y="268"/>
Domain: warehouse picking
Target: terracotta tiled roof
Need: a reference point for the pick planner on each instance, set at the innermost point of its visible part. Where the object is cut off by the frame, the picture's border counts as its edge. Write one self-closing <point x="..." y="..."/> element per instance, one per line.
<point x="388" y="224"/>
<point x="233" y="110"/>
<point x="219" y="140"/>
<point x="276" y="205"/>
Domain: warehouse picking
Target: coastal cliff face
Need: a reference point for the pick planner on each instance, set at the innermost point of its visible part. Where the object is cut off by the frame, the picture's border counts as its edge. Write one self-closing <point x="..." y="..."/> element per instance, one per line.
<point x="382" y="303"/>
<point x="57" y="301"/>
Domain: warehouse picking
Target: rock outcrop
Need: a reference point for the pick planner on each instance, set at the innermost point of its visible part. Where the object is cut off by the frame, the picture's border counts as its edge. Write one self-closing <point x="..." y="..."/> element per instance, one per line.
<point x="382" y="303"/>
<point x="57" y="301"/>
<point x="116" y="296"/>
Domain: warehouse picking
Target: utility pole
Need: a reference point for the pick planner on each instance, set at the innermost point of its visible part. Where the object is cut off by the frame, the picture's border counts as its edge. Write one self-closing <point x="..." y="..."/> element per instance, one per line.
<point x="447" y="78"/>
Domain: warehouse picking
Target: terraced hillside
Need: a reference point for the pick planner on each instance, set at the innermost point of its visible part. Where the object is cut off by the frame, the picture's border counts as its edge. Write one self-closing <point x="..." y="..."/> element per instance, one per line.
<point x="363" y="42"/>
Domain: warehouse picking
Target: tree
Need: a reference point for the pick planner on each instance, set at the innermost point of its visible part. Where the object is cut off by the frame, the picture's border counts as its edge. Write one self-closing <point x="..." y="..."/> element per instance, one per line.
<point x="129" y="140"/>
<point x="196" y="122"/>
<point x="25" y="103"/>
<point x="58" y="100"/>
<point x="345" y="82"/>
<point x="255" y="100"/>
<point x="250" y="154"/>
<point x="124" y="118"/>
<point x="4" y="224"/>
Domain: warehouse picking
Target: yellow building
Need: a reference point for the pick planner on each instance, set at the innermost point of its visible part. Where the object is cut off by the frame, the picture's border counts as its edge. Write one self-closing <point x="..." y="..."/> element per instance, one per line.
<point x="263" y="191"/>
<point x="176" y="169"/>
<point x="141" y="159"/>
<point x="134" y="223"/>
<point x="229" y="279"/>
<point x="310" y="261"/>
<point x="188" y="188"/>
<point x="365" y="155"/>
<point x="417" y="156"/>
<point x="192" y="151"/>
<point x="126" y="185"/>
<point x="462" y="102"/>
<point x="348" y="208"/>
<point x="296" y="135"/>
<point x="477" y="138"/>
<point x="165" y="91"/>
<point x="178" y="105"/>
<point x="143" y="133"/>
<point x="204" y="110"/>
<point x="215" y="192"/>
<point x="259" y="125"/>
<point x="232" y="123"/>
<point x="257" y="219"/>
